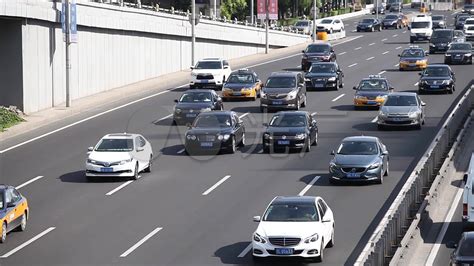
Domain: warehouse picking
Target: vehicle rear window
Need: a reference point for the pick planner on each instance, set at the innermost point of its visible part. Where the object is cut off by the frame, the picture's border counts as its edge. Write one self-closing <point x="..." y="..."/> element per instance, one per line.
<point x="367" y="20"/>
<point x="318" y="49"/>
<point x="420" y="24"/>
<point x="302" y="23"/>
<point x="437" y="17"/>
<point x="469" y="22"/>
<point x="391" y="17"/>
<point x="326" y="21"/>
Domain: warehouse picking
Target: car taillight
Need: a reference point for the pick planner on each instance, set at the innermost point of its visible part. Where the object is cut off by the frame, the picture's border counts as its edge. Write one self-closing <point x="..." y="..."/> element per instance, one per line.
<point x="464" y="209"/>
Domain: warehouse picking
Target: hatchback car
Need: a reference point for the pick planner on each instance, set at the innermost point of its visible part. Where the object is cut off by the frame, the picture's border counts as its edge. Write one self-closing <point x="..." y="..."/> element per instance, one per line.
<point x="297" y="226"/>
<point x="459" y="53"/>
<point x="359" y="158"/>
<point x="439" y="21"/>
<point x="193" y="102"/>
<point x="119" y="155"/>
<point x="324" y="75"/>
<point x="330" y="25"/>
<point x="14" y="211"/>
<point x="402" y="109"/>
<point x="413" y="58"/>
<point x="369" y="24"/>
<point x="391" y="21"/>
<point x="242" y="84"/>
<point x="215" y="131"/>
<point x="316" y="53"/>
<point x="283" y="90"/>
<point x="440" y="40"/>
<point x="290" y="129"/>
<point x="460" y="36"/>
<point x="371" y="91"/>
<point x="437" y="78"/>
<point x="464" y="250"/>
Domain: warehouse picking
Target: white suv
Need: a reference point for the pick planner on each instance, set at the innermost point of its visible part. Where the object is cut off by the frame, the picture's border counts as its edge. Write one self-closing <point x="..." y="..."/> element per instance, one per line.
<point x="209" y="73"/>
<point x="468" y="23"/>
<point x="330" y="25"/>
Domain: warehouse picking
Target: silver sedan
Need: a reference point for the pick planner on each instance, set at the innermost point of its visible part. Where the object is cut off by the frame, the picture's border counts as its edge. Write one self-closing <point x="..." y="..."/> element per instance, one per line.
<point x="402" y="109"/>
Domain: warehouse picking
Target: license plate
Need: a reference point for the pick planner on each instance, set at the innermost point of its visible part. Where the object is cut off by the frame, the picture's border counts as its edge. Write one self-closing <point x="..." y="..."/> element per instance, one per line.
<point x="435" y="87"/>
<point x="457" y="56"/>
<point x="283" y="142"/>
<point x="277" y="102"/>
<point x="191" y="115"/>
<point x="353" y="175"/>
<point x="204" y="81"/>
<point x="206" y="144"/>
<point x="318" y="85"/>
<point x="412" y="65"/>
<point x="371" y="102"/>
<point x="106" y="169"/>
<point x="397" y="119"/>
<point x="236" y="93"/>
<point x="284" y="251"/>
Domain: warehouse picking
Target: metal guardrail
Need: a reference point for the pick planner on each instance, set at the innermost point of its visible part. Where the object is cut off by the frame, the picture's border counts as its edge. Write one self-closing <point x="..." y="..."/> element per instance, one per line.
<point x="390" y="232"/>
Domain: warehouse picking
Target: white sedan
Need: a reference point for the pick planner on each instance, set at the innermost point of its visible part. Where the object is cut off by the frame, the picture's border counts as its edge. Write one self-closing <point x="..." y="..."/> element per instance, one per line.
<point x="296" y="226"/>
<point x="118" y="155"/>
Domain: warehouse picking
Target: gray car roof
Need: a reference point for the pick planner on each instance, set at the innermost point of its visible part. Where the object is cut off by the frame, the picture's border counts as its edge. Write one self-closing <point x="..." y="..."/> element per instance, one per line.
<point x="294" y="200"/>
<point x="360" y="138"/>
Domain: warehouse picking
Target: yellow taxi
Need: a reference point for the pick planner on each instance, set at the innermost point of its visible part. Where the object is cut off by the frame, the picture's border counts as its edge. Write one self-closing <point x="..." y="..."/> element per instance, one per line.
<point x="13" y="211"/>
<point x="413" y="58"/>
<point x="242" y="84"/>
<point x="371" y="92"/>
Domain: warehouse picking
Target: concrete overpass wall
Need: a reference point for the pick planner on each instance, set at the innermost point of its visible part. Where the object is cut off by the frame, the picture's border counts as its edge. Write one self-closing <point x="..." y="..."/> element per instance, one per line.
<point x="116" y="46"/>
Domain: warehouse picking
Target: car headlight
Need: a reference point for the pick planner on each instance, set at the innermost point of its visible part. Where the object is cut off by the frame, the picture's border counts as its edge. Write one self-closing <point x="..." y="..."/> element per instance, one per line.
<point x="333" y="165"/>
<point x="468" y="54"/>
<point x="292" y="94"/>
<point x="307" y="79"/>
<point x="326" y="57"/>
<point x="191" y="137"/>
<point x="177" y="110"/>
<point x="332" y="79"/>
<point x="126" y="161"/>
<point x="447" y="55"/>
<point x="413" y="114"/>
<point x="194" y="74"/>
<point x="226" y="89"/>
<point x="223" y="137"/>
<point x="432" y="45"/>
<point x="420" y="61"/>
<point x="263" y="94"/>
<point x="300" y="136"/>
<point x="207" y="109"/>
<point x="312" y="238"/>
<point x="404" y="62"/>
<point x="382" y="114"/>
<point x="424" y="82"/>
<point x="247" y="89"/>
<point x="445" y="82"/>
<point x="359" y="97"/>
<point x="259" y="238"/>
<point x="375" y="165"/>
<point x="91" y="161"/>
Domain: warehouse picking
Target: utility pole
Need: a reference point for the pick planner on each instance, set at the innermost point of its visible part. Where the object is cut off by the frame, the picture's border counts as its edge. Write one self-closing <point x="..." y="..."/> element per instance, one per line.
<point x="315" y="13"/>
<point x="68" y="52"/>
<point x="252" y="21"/>
<point x="377" y="9"/>
<point x="267" y="22"/>
<point x="193" y="33"/>
<point x="215" y="8"/>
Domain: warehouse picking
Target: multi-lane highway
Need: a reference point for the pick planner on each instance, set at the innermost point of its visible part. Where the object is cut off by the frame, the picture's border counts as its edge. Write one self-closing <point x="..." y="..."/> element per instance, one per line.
<point x="198" y="210"/>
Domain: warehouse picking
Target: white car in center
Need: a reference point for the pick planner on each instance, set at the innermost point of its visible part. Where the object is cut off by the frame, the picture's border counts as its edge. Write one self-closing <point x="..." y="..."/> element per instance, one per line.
<point x="119" y="155"/>
<point x="209" y="73"/>
<point x="468" y="23"/>
<point x="330" y="25"/>
<point x="297" y="226"/>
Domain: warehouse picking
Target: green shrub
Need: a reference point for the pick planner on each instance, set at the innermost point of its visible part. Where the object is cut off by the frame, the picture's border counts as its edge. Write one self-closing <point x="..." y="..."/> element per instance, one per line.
<point x="8" y="119"/>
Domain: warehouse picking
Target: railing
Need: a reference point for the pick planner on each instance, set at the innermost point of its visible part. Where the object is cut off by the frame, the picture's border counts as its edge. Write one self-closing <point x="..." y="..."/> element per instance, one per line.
<point x="390" y="232"/>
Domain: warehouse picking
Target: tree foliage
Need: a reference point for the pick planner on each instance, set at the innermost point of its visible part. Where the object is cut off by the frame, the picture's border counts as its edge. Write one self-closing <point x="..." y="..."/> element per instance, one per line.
<point x="234" y="9"/>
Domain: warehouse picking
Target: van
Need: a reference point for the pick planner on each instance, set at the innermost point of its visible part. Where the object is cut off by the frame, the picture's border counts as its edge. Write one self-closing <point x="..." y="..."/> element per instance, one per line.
<point x="421" y="29"/>
<point x="415" y="4"/>
<point x="468" y="197"/>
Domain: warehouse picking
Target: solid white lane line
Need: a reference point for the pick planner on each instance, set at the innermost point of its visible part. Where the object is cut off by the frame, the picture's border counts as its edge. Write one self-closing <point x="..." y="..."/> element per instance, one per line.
<point x="371" y="44"/>
<point x="370" y="58"/>
<point x="139" y="243"/>
<point x="399" y="47"/>
<point x="15" y="250"/>
<point x="181" y="151"/>
<point x="355" y="64"/>
<point x="216" y="185"/>
<point x="353" y="30"/>
<point x="342" y="53"/>
<point x="386" y="52"/>
<point x="315" y="113"/>
<point x="439" y="238"/>
<point x="338" y="97"/>
<point x="245" y="251"/>
<point x="305" y="189"/>
<point x="29" y="182"/>
<point x="358" y="48"/>
<point x="404" y="31"/>
<point x="396" y="65"/>
<point x="348" y="40"/>
<point x="384" y="39"/>
<point x="163" y="118"/>
<point x="244" y="115"/>
<point x="395" y="35"/>
<point x="374" y="120"/>
<point x="416" y="84"/>
<point x="381" y="72"/>
<point x="119" y="188"/>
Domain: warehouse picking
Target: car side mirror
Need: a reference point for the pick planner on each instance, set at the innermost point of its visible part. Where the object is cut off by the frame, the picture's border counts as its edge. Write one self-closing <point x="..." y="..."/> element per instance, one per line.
<point x="90" y="149"/>
<point x="354" y="88"/>
<point x="427" y="54"/>
<point x="451" y="244"/>
<point x="419" y="74"/>
<point x="332" y="50"/>
<point x="385" y="153"/>
<point x="140" y="149"/>
<point x="392" y="88"/>
<point x="332" y="153"/>
<point x="191" y="67"/>
<point x="11" y="205"/>
<point x="175" y="100"/>
<point x="226" y="67"/>
<point x="303" y="51"/>
<point x="257" y="219"/>
<point x="464" y="178"/>
<point x="399" y="55"/>
<point x="423" y="104"/>
<point x="326" y="220"/>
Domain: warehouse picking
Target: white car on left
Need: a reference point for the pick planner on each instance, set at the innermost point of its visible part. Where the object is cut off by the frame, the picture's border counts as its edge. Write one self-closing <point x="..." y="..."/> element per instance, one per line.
<point x="119" y="155"/>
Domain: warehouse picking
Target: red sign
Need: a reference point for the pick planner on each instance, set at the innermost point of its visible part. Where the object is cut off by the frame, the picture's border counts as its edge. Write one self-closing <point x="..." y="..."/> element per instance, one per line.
<point x="272" y="9"/>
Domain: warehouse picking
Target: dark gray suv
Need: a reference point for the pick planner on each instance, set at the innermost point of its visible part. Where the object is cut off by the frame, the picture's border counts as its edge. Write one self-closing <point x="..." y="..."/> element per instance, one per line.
<point x="283" y="90"/>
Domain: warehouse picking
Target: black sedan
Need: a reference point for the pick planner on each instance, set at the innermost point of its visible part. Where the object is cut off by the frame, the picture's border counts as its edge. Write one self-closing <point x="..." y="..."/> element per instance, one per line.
<point x="464" y="251"/>
<point x="396" y="7"/>
<point x="369" y="24"/>
<point x="381" y="10"/>
<point x="459" y="24"/>
<point x="459" y="53"/>
<point x="437" y="78"/>
<point x="440" y="40"/>
<point x="193" y="102"/>
<point x="215" y="131"/>
<point x="290" y="129"/>
<point x="325" y="75"/>
<point x="317" y="52"/>
<point x="391" y="21"/>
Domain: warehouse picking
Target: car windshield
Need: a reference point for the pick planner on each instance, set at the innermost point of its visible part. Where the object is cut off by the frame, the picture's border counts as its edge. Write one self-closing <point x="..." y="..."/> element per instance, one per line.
<point x="115" y="145"/>
<point x="212" y="120"/>
<point x="358" y="148"/>
<point x="459" y="33"/>
<point x="437" y="17"/>
<point x="302" y="24"/>
<point x="288" y="120"/>
<point x="413" y="53"/>
<point x="291" y="213"/>
<point x="326" y="21"/>
<point x="241" y="78"/>
<point x="469" y="22"/>
<point x="466" y="247"/>
<point x="461" y="46"/>
<point x="420" y="24"/>
<point x="470" y="28"/>
<point x="281" y="82"/>
<point x="318" y="49"/>
<point x="367" y="20"/>
<point x="391" y="17"/>
<point x="400" y="100"/>
<point x="195" y="97"/>
<point x="442" y="34"/>
<point x="323" y="68"/>
<point x="436" y="72"/>
<point x="209" y="65"/>
<point x="373" y="84"/>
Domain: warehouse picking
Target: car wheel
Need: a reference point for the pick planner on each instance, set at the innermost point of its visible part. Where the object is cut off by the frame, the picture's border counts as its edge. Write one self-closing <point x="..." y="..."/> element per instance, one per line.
<point x="387" y="172"/>
<point x="266" y="149"/>
<point x="136" y="173"/>
<point x="450" y="91"/>
<point x="192" y="87"/>
<point x="148" y="169"/>
<point x="257" y="260"/>
<point x="315" y="142"/>
<point x="331" y="242"/>
<point x="380" y="28"/>
<point x="23" y="221"/>
<point x="373" y="29"/>
<point x="233" y="147"/>
<point x="321" y="252"/>
<point x="341" y="84"/>
<point x="263" y="109"/>
<point x="330" y="31"/>
<point x="242" y="142"/>
<point x="380" y="179"/>
<point x="4" y="233"/>
<point x="254" y="98"/>
<point x="304" y="102"/>
<point x="358" y="30"/>
<point x="298" y="104"/>
<point x="308" y="145"/>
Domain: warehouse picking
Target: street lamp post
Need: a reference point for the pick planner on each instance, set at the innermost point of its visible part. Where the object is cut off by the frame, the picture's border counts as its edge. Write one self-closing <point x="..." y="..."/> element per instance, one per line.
<point x="251" y="12"/>
<point x="193" y="33"/>
<point x="267" y="22"/>
<point x="315" y="13"/>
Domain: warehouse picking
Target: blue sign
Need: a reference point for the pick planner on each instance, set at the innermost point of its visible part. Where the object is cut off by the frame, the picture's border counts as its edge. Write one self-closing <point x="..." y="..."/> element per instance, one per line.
<point x="72" y="31"/>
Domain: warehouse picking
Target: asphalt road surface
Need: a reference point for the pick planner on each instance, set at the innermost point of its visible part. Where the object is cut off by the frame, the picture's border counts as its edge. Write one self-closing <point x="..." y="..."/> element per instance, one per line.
<point x="164" y="218"/>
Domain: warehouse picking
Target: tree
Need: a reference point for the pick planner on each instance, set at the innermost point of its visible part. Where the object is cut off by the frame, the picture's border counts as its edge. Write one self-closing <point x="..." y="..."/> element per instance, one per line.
<point x="234" y="9"/>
